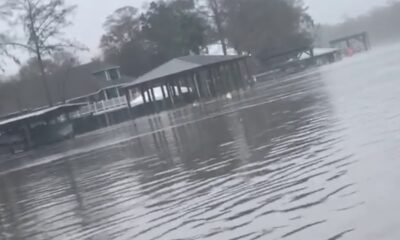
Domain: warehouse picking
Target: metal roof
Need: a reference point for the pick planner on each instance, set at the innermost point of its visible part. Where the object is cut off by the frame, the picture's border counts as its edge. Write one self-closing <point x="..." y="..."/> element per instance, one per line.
<point x="180" y="65"/>
<point x="38" y="113"/>
<point x="81" y="81"/>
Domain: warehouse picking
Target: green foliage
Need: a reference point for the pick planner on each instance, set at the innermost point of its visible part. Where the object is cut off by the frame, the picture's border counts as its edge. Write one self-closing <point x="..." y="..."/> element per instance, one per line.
<point x="265" y="28"/>
<point x="164" y="31"/>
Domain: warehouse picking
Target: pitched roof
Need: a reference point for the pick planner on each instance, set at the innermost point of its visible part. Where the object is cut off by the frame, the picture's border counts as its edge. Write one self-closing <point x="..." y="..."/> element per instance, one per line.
<point x="81" y="81"/>
<point x="38" y="113"/>
<point x="180" y="65"/>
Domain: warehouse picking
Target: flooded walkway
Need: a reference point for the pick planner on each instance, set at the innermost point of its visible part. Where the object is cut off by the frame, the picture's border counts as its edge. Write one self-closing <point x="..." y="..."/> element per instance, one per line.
<point x="314" y="156"/>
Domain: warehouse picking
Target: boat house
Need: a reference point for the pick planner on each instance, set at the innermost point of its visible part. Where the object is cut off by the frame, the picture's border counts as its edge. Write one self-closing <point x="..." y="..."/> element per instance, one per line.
<point x="37" y="127"/>
<point x="359" y="42"/>
<point x="189" y="78"/>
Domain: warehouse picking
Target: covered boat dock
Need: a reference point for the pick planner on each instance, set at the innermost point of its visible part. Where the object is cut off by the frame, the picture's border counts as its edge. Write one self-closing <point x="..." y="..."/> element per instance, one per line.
<point x="190" y="78"/>
<point x="37" y="127"/>
<point x="358" y="42"/>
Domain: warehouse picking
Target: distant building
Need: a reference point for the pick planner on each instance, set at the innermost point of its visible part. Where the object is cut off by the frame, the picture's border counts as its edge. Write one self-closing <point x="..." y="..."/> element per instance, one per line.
<point x="96" y="79"/>
<point x="96" y="84"/>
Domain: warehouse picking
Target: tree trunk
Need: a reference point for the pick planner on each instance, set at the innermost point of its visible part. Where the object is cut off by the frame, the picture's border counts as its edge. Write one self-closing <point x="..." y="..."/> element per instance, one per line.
<point x="218" y="23"/>
<point x="221" y="35"/>
<point x="38" y="53"/>
<point x="44" y="79"/>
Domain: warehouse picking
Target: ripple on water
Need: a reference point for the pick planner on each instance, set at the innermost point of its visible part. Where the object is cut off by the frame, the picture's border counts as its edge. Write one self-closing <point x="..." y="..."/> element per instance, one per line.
<point x="275" y="163"/>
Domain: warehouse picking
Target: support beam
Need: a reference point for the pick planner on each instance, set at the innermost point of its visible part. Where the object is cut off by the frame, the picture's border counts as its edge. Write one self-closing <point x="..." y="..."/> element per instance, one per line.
<point x="148" y="95"/>
<point x="173" y="87"/>
<point x="212" y="82"/>
<point x="142" y="92"/>
<point x="128" y="97"/>
<point x="247" y="71"/>
<point x="179" y="85"/>
<point x="170" y="94"/>
<point x="239" y="72"/>
<point x="28" y="135"/>
<point x="153" y="96"/>
<point x="233" y="75"/>
<point x="221" y="81"/>
<point x="162" y="86"/>
<point x="105" y="95"/>
<point x="197" y="86"/>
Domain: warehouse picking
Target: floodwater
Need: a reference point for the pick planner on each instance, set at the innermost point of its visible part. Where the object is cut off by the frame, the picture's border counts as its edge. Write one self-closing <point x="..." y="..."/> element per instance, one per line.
<point x="313" y="156"/>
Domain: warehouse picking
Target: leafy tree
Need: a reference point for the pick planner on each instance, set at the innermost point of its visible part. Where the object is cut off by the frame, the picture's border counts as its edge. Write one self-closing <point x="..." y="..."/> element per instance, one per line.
<point x="264" y="28"/>
<point x="174" y="28"/>
<point x="140" y="41"/>
<point x="124" y="44"/>
<point x="42" y="22"/>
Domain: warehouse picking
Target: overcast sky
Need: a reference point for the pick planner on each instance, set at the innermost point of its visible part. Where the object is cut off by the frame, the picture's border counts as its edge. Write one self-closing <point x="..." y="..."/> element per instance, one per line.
<point x="90" y="16"/>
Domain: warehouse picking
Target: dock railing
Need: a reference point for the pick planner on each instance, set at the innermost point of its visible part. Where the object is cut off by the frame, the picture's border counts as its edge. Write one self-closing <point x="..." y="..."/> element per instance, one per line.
<point x="101" y="106"/>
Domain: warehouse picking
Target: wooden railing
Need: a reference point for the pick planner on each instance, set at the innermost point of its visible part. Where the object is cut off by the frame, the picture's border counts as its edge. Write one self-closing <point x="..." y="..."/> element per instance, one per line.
<point x="102" y="106"/>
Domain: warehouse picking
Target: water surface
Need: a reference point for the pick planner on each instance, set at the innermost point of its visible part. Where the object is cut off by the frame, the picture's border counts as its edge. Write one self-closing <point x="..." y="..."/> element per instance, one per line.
<point x="312" y="156"/>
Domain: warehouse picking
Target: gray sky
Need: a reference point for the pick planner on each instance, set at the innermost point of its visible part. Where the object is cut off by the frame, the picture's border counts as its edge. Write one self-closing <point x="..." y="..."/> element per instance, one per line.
<point x="333" y="11"/>
<point x="90" y="16"/>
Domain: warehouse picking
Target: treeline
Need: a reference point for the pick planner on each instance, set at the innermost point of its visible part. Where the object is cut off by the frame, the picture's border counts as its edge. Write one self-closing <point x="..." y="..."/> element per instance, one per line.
<point x="141" y="39"/>
<point x="382" y="24"/>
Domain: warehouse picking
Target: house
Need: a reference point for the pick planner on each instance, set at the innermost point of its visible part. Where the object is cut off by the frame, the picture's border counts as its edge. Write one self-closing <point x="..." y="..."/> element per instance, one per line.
<point x="96" y="84"/>
<point x="194" y="77"/>
<point x="94" y="80"/>
<point x="37" y="127"/>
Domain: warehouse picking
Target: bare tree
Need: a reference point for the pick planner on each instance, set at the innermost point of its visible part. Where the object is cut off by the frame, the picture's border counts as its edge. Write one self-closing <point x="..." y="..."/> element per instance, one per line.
<point x="5" y="12"/>
<point x="64" y="62"/>
<point x="42" y="22"/>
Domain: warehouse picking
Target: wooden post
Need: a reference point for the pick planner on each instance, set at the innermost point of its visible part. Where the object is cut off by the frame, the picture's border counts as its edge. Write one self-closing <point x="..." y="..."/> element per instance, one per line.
<point x="128" y="97"/>
<point x="227" y="77"/>
<point x="118" y="93"/>
<point x="247" y="71"/>
<point x="128" y="100"/>
<point x="173" y="89"/>
<point x="143" y="94"/>
<point x="148" y="95"/>
<point x="154" y="99"/>
<point x="179" y="85"/>
<point x="220" y="80"/>
<point x="196" y="83"/>
<point x="208" y="84"/>
<point x="233" y="76"/>
<point x="153" y="96"/>
<point x="28" y="135"/>
<point x="105" y="95"/>
<point x="163" y="91"/>
<point x="239" y="73"/>
<point x="107" y="119"/>
<point x="191" y="85"/>
<point x="170" y="94"/>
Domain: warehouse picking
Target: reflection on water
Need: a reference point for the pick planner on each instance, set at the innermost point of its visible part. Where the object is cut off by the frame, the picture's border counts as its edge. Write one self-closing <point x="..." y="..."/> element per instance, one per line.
<point x="299" y="158"/>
